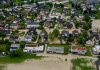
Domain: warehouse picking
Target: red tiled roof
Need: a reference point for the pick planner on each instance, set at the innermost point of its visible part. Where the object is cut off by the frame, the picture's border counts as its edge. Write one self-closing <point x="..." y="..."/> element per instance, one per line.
<point x="78" y="48"/>
<point x="30" y="45"/>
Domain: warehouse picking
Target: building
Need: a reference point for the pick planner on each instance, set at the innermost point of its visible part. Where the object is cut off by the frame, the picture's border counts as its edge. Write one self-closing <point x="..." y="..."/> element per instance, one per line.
<point x="33" y="48"/>
<point x="89" y="41"/>
<point x="58" y="50"/>
<point x="98" y="65"/>
<point x="78" y="50"/>
<point x="96" y="50"/>
<point x="14" y="47"/>
<point x="14" y="38"/>
<point x="31" y="24"/>
<point x="28" y="38"/>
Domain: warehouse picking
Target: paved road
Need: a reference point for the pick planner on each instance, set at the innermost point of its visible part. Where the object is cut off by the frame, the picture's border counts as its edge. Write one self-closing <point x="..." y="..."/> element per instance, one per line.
<point x="54" y="2"/>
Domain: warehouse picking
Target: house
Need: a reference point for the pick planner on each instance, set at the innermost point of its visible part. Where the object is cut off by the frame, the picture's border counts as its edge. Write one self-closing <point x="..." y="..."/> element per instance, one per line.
<point x="55" y="15"/>
<point x="14" y="47"/>
<point x="31" y="24"/>
<point x="44" y="36"/>
<point x="64" y="34"/>
<point x="48" y="23"/>
<point x="67" y="25"/>
<point x="97" y="65"/>
<point x="93" y="32"/>
<point x="14" y="26"/>
<point x="14" y="38"/>
<point x="75" y="32"/>
<point x="28" y="38"/>
<point x="58" y="50"/>
<point x="78" y="50"/>
<point x="8" y="32"/>
<point x="96" y="50"/>
<point x="33" y="48"/>
<point x="89" y="41"/>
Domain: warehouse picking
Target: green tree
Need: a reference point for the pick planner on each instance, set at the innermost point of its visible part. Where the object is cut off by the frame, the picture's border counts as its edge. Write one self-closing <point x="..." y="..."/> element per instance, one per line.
<point x="15" y="32"/>
<point x="87" y="26"/>
<point x="80" y="40"/>
<point x="87" y="18"/>
<point x="2" y="35"/>
<point x="15" y="53"/>
<point x="56" y="32"/>
<point x="85" y="34"/>
<point x="51" y="36"/>
<point x="22" y="44"/>
<point x="22" y="24"/>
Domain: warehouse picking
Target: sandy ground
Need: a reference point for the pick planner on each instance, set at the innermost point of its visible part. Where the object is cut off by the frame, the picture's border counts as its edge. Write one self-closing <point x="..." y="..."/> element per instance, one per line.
<point x="50" y="62"/>
<point x="44" y="64"/>
<point x="96" y="24"/>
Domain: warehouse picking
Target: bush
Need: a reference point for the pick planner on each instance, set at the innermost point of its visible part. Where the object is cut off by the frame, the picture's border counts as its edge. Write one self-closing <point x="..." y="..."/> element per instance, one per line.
<point x="15" y="53"/>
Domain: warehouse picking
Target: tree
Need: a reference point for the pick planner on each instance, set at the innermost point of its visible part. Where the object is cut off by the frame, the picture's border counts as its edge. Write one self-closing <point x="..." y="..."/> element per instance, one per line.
<point x="81" y="40"/>
<point x="87" y="26"/>
<point x="22" y="44"/>
<point x="85" y="34"/>
<point x="15" y="53"/>
<point x="70" y="38"/>
<point x="76" y="23"/>
<point x="56" y="32"/>
<point x="87" y="18"/>
<point x="2" y="35"/>
<point x="51" y="36"/>
<point x="22" y="24"/>
<point x="15" y="32"/>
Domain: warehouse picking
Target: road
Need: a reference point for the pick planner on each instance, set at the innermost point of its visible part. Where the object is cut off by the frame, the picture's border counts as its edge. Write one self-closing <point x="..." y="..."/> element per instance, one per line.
<point x="54" y="2"/>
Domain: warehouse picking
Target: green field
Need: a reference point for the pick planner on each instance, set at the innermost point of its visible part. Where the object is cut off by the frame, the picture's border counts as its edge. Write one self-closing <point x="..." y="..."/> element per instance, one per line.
<point x="25" y="56"/>
<point x="1" y="67"/>
<point x="82" y="64"/>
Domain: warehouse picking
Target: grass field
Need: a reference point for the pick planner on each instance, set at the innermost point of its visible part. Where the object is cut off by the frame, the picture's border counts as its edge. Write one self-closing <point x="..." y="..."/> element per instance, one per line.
<point x="1" y="67"/>
<point x="82" y="64"/>
<point x="7" y="59"/>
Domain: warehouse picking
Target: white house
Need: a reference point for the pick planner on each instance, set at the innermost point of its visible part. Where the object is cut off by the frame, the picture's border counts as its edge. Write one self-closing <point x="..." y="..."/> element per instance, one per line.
<point x="96" y="49"/>
<point x="14" y="47"/>
<point x="28" y="38"/>
<point x="33" y="48"/>
<point x="59" y="50"/>
<point x="31" y="24"/>
<point x="78" y="50"/>
<point x="89" y="42"/>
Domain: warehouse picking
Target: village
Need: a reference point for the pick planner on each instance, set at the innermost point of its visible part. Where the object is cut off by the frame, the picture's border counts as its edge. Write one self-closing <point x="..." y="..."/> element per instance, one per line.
<point x="62" y="28"/>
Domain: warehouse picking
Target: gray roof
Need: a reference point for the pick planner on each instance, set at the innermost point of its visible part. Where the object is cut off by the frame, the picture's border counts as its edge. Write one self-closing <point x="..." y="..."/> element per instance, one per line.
<point x="28" y="37"/>
<point x="55" y="49"/>
<point x="31" y="22"/>
<point x="15" y="45"/>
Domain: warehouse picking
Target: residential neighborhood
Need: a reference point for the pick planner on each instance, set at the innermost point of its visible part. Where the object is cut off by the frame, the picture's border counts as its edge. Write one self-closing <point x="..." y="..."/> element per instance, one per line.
<point x="66" y="29"/>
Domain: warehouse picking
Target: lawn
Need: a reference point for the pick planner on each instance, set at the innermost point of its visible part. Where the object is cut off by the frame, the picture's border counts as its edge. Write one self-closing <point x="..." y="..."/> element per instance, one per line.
<point x="88" y="53"/>
<point x="97" y="12"/>
<point x="66" y="47"/>
<point x="1" y="67"/>
<point x="67" y="4"/>
<point x="82" y="64"/>
<point x="60" y="10"/>
<point x="7" y="59"/>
